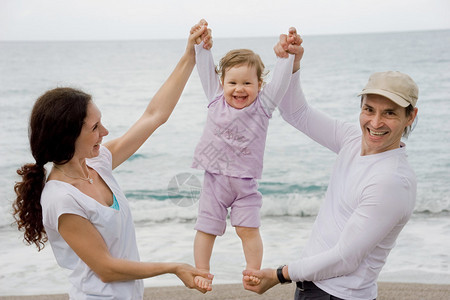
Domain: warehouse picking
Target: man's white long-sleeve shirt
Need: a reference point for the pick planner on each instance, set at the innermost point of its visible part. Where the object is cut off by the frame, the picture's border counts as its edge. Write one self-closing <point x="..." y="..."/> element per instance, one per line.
<point x="368" y="201"/>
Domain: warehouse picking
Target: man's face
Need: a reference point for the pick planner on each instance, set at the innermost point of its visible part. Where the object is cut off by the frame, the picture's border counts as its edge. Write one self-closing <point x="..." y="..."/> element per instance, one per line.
<point x="382" y="123"/>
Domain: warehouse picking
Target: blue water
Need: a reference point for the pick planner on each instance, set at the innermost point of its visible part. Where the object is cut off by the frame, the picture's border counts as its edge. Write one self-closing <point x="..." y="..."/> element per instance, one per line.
<point x="122" y="76"/>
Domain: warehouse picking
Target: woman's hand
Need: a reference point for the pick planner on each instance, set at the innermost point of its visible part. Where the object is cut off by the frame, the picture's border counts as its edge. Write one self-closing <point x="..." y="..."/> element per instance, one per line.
<point x="187" y="273"/>
<point x="205" y="34"/>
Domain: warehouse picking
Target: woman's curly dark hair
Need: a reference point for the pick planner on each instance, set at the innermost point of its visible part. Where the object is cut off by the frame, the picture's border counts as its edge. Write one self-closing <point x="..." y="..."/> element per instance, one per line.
<point x="55" y="124"/>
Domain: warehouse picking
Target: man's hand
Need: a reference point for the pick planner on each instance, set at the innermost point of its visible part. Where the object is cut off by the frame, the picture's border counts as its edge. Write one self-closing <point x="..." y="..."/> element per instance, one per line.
<point x="267" y="279"/>
<point x="290" y="44"/>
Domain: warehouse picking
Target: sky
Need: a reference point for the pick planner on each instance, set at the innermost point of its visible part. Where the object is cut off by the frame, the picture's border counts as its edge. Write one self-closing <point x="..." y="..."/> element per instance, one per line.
<point x="22" y="20"/>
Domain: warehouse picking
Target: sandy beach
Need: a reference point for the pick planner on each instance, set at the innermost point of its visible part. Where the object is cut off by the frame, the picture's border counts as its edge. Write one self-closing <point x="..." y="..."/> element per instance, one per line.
<point x="386" y="291"/>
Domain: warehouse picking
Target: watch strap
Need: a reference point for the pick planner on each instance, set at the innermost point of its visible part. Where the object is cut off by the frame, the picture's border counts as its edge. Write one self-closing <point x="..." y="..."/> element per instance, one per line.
<point x="280" y="275"/>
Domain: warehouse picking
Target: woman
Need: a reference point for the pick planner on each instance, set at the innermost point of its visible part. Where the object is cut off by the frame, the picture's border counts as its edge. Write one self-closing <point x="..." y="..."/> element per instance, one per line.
<point x="80" y="208"/>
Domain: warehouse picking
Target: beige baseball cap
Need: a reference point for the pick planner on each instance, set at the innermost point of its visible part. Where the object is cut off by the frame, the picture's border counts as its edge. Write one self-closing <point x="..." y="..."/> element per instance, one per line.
<point x="396" y="86"/>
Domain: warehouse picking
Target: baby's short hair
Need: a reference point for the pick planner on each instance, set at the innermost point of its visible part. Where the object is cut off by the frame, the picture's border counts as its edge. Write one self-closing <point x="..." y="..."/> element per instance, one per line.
<point x="240" y="57"/>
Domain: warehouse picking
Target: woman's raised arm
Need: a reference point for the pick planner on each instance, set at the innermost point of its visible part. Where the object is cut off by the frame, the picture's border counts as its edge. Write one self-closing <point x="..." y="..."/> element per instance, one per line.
<point x="160" y="107"/>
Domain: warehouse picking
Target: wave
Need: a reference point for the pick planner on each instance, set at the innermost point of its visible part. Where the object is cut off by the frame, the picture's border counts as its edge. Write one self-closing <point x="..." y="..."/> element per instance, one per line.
<point x="159" y="195"/>
<point x="279" y="200"/>
<point x="136" y="156"/>
<point x="272" y="188"/>
<point x="267" y="189"/>
<point x="172" y="210"/>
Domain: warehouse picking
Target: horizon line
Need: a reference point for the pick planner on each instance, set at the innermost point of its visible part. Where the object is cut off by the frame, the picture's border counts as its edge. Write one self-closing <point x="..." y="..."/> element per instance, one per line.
<point x="221" y="38"/>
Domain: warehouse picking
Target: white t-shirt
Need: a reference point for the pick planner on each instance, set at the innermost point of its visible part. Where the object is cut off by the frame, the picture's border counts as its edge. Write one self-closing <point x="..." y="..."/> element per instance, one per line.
<point x="115" y="226"/>
<point x="368" y="202"/>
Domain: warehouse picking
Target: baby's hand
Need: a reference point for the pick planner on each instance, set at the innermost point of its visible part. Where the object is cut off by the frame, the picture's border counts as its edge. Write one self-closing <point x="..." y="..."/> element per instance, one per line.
<point x="290" y="44"/>
<point x="199" y="26"/>
<point x="205" y="36"/>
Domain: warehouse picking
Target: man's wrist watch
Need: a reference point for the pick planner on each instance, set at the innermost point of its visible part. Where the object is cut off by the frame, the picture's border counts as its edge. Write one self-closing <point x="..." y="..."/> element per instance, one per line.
<point x="280" y="275"/>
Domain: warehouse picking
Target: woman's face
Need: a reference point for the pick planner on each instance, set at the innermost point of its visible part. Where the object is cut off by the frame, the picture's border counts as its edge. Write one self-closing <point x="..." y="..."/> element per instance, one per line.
<point x="88" y="143"/>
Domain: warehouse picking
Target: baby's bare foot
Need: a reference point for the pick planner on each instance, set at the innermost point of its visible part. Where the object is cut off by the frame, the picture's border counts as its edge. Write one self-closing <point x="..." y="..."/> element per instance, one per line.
<point x="251" y="280"/>
<point x="203" y="283"/>
<point x="255" y="280"/>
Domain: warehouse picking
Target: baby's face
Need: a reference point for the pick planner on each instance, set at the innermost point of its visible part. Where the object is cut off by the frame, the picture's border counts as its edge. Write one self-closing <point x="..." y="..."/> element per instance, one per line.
<point x="241" y="86"/>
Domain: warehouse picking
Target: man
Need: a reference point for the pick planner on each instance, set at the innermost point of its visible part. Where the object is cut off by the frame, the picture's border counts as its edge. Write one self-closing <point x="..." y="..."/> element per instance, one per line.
<point x="372" y="189"/>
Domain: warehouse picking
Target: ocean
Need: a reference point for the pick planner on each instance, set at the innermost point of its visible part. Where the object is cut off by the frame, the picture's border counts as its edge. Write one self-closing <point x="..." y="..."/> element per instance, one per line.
<point x="122" y="76"/>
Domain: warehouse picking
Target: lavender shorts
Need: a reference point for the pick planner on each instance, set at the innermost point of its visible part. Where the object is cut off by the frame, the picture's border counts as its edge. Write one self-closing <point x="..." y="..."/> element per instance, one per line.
<point x="220" y="192"/>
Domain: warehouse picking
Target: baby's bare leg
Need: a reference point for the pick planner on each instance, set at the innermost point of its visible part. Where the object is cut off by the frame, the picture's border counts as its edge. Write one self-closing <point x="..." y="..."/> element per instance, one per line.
<point x="253" y="248"/>
<point x="203" y="245"/>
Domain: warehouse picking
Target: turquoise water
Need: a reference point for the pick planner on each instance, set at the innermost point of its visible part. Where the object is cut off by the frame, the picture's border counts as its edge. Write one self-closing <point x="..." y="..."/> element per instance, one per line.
<point x="122" y="77"/>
